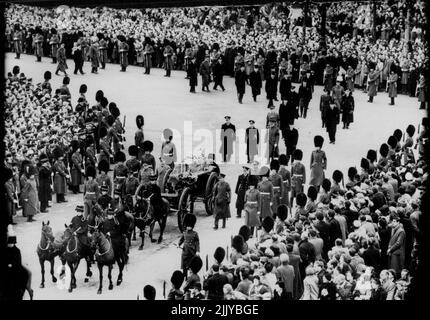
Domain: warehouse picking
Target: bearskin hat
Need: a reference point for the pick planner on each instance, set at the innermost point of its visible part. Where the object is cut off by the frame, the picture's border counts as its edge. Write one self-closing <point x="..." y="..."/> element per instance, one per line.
<point x="312" y="193"/>
<point x="115" y="112"/>
<point x="110" y="120"/>
<point x="90" y="171"/>
<point x="371" y="155"/>
<point x="103" y="132"/>
<point x="104" y="102"/>
<point x="301" y="199"/>
<point x="283" y="160"/>
<point x="219" y="254"/>
<point x="318" y="141"/>
<point x="99" y="95"/>
<point x="111" y="106"/>
<point x="83" y="88"/>
<point x="119" y="156"/>
<point x="392" y="142"/>
<point x="133" y="150"/>
<point x="190" y="220"/>
<point x="268" y="224"/>
<point x="274" y="165"/>
<point x="75" y="145"/>
<point x="253" y="180"/>
<point x="57" y="152"/>
<point x="337" y="176"/>
<point x="196" y="264"/>
<point x="244" y="231"/>
<point x="140" y="121"/>
<point x="298" y="154"/>
<point x="135" y="167"/>
<point x="326" y="184"/>
<point x="66" y="80"/>
<point x="177" y="279"/>
<point x="410" y="130"/>
<point x="47" y="75"/>
<point x="237" y="243"/>
<point x="147" y="146"/>
<point x="15" y="70"/>
<point x="398" y="134"/>
<point x="383" y="150"/>
<point x="167" y="134"/>
<point x="282" y="212"/>
<point x="364" y="164"/>
<point x="103" y="165"/>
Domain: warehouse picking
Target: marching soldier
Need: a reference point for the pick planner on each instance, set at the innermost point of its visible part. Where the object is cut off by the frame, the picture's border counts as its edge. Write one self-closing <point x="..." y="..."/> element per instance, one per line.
<point x="272" y="115"/>
<point x="192" y="74"/>
<point x="120" y="173"/>
<point x="392" y="86"/>
<point x="328" y="77"/>
<point x="94" y="55"/>
<point x="286" y="179"/>
<point x="325" y="101"/>
<point x="273" y="140"/>
<point x="318" y="163"/>
<point x="118" y="128"/>
<point x="372" y="79"/>
<point x="38" y="43"/>
<point x="54" y="43"/>
<point x="408" y="154"/>
<point x="240" y="80"/>
<point x="103" y="52"/>
<point x="91" y="191"/>
<point x="17" y="41"/>
<point x="218" y="72"/>
<point x="168" y="61"/>
<point x="205" y="72"/>
<point x="60" y="175"/>
<point x="228" y="136"/>
<point x="123" y="55"/>
<point x="147" y="54"/>
<point x="103" y="179"/>
<point x="168" y="149"/>
<point x="331" y="121"/>
<point x="221" y="197"/>
<point x="255" y="82"/>
<point x="298" y="175"/>
<point x="139" y="137"/>
<point x="265" y="187"/>
<point x="252" y="138"/>
<point x="350" y="74"/>
<point x="241" y="187"/>
<point x="278" y="188"/>
<point x="147" y="157"/>
<point x="338" y="93"/>
<point x="62" y="62"/>
<point x="305" y="96"/>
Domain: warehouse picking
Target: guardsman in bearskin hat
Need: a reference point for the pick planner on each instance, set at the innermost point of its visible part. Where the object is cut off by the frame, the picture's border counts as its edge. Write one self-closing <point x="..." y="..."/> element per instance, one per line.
<point x="267" y="227"/>
<point x="139" y="137"/>
<point x="91" y="190"/>
<point x="131" y="184"/>
<point x="62" y="62"/>
<point x="103" y="179"/>
<point x="17" y="41"/>
<point x="147" y="157"/>
<point x="392" y="153"/>
<point x="364" y="165"/>
<point x="221" y="197"/>
<point x="46" y="86"/>
<point x="90" y="152"/>
<point x="77" y="170"/>
<point x="398" y="134"/>
<point x="54" y="41"/>
<point x="176" y="280"/>
<point x="190" y="239"/>
<point x="103" y="52"/>
<point x="300" y="210"/>
<point x="45" y="180"/>
<point x="251" y="204"/>
<point x="120" y="172"/>
<point x="241" y="187"/>
<point x="371" y="156"/>
<point x="318" y="163"/>
<point x="168" y="54"/>
<point x="118" y="128"/>
<point x="337" y="178"/>
<point x="298" y="175"/>
<point x="61" y="175"/>
<point x="38" y="44"/>
<point x="312" y="194"/>
<point x="123" y="54"/>
<point x="94" y="55"/>
<point x="168" y="149"/>
<point x="281" y="216"/>
<point x="133" y="152"/>
<point x="147" y="53"/>
<point x="383" y="160"/>
<point x="193" y="285"/>
<point x="276" y="180"/>
<point x="265" y="187"/>
<point x="79" y="225"/>
<point x="105" y="150"/>
<point x="407" y="147"/>
<point x="286" y="179"/>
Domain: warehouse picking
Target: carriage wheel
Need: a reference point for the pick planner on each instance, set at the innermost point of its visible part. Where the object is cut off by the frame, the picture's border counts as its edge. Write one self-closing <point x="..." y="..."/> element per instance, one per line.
<point x="165" y="179"/>
<point x="185" y="206"/>
<point x="212" y="180"/>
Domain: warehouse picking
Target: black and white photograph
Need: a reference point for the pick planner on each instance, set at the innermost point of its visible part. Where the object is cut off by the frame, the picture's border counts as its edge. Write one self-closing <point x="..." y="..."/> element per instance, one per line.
<point x="215" y="150"/>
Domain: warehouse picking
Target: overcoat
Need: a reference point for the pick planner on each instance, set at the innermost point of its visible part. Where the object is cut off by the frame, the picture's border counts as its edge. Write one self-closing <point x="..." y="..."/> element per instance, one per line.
<point x="318" y="165"/>
<point x="221" y="199"/>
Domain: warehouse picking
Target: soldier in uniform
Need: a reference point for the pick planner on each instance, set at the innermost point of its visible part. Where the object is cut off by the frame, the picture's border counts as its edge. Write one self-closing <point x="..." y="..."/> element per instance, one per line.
<point x="76" y="167"/>
<point x="105" y="150"/>
<point x="90" y="152"/>
<point x="305" y="96"/>
<point x="298" y="175"/>
<point x="251" y="204"/>
<point x="328" y="77"/>
<point x="325" y="101"/>
<point x="54" y="43"/>
<point x="112" y="228"/>
<point x="228" y="136"/>
<point x="221" y="197"/>
<point x="338" y="93"/>
<point x="91" y="190"/>
<point x="94" y="55"/>
<point x="192" y="74"/>
<point x="218" y="72"/>
<point x="120" y="173"/>
<point x="318" y="163"/>
<point x="331" y="121"/>
<point x="17" y="41"/>
<point x="62" y="63"/>
<point x="117" y="128"/>
<point x="190" y="241"/>
<point x="278" y="187"/>
<point x="79" y="226"/>
<point x="272" y="115"/>
<point x="131" y="183"/>
<point x="60" y="175"/>
<point x="103" y="52"/>
<point x="168" y="149"/>
<point x="139" y="137"/>
<point x="408" y="154"/>
<point x="372" y="79"/>
<point x="350" y="74"/>
<point x="133" y="152"/>
<point x="241" y="187"/>
<point x="347" y="108"/>
<point x="255" y="82"/>
<point x="38" y="43"/>
<point x="123" y="55"/>
<point x="147" y="157"/>
<point x="252" y="138"/>
<point x="265" y="187"/>
<point x="273" y="140"/>
<point x="46" y="86"/>
<point x="105" y="199"/>
<point x="45" y="180"/>
<point x="10" y="193"/>
<point x="392" y="86"/>
<point x="291" y="139"/>
<point x="205" y="72"/>
<point x="240" y="80"/>
<point x="168" y="61"/>
<point x="103" y="179"/>
<point x="147" y="54"/>
<point x="271" y="88"/>
<point x="286" y="179"/>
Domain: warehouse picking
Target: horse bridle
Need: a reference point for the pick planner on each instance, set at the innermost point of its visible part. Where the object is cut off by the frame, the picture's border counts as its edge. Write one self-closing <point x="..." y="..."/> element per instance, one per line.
<point x="76" y="245"/>
<point x="148" y="200"/>
<point x="49" y="242"/>
<point x="102" y="254"/>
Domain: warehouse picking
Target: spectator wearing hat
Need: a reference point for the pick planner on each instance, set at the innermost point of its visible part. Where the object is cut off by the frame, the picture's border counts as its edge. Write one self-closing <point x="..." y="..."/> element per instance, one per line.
<point x="396" y="245"/>
<point x="318" y="163"/>
<point x="221" y="197"/>
<point x="176" y="281"/>
<point x="255" y="82"/>
<point x="193" y="285"/>
<point x="228" y="136"/>
<point x="190" y="241"/>
<point x="298" y="175"/>
<point x="252" y="138"/>
<point x="240" y="80"/>
<point x="285" y="273"/>
<point x="45" y="180"/>
<point x="259" y="290"/>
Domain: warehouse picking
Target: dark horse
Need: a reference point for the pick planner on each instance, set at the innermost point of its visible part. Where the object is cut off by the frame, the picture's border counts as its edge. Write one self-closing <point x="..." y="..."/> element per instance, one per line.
<point x="107" y="252"/>
<point x="145" y="215"/>
<point x="75" y="250"/>
<point x="47" y="249"/>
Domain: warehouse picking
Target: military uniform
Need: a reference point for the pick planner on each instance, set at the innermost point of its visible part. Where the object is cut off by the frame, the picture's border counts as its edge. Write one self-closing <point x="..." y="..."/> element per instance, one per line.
<point x="38" y="43"/>
<point x="338" y="92"/>
<point x="103" y="52"/>
<point x="251" y="208"/>
<point x="286" y="185"/>
<point x="190" y="239"/>
<point x="80" y="226"/>
<point x="168" y="61"/>
<point x="60" y="173"/>
<point x="54" y="43"/>
<point x="372" y="85"/>
<point x="298" y="179"/>
<point x="325" y="101"/>
<point x="105" y="151"/>
<point x="104" y="180"/>
<point x="120" y="173"/>
<point x="123" y="55"/>
<point x="17" y="41"/>
<point x="266" y="196"/>
<point x="62" y="62"/>
<point x="228" y="136"/>
<point x="252" y="137"/>
<point x="94" y="57"/>
<point x="273" y="140"/>
<point x="278" y="191"/>
<point x="168" y="153"/>
<point x="318" y="165"/>
<point x="76" y="170"/>
<point x="91" y="194"/>
<point x="241" y="187"/>
<point x="149" y="50"/>
<point x="221" y="196"/>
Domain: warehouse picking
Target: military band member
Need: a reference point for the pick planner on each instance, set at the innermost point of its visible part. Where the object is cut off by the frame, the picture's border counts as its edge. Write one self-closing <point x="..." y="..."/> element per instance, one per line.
<point x="168" y="61"/>
<point x="61" y="174"/>
<point x="278" y="188"/>
<point x="38" y="43"/>
<point x="298" y="175"/>
<point x="168" y="149"/>
<point x="241" y="187"/>
<point x="286" y="179"/>
<point x="123" y="55"/>
<point x="17" y="41"/>
<point x="392" y="86"/>
<point x="221" y="197"/>
<point x="147" y="54"/>
<point x="252" y="138"/>
<point x="318" y="163"/>
<point x="54" y="42"/>
<point x="265" y="187"/>
<point x="103" y="52"/>
<point x="147" y="157"/>
<point x="103" y="179"/>
<point x="228" y="136"/>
